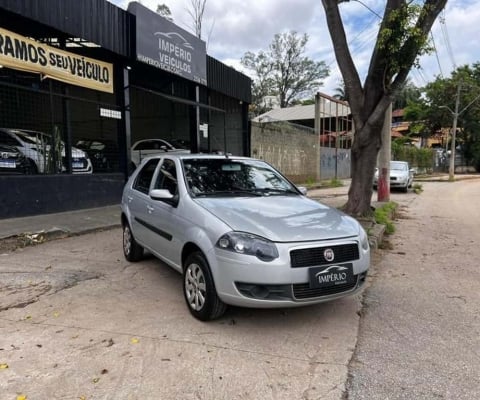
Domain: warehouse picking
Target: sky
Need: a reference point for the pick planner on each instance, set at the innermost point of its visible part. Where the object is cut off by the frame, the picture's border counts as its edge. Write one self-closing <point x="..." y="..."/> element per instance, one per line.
<point x="233" y="27"/>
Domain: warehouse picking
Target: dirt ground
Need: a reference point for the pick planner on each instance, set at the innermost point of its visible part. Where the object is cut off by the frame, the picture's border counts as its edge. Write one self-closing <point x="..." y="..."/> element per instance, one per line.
<point x="420" y="331"/>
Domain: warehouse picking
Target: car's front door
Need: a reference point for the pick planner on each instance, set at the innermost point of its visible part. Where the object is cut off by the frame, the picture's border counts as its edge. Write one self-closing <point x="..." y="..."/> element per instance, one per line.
<point x="166" y="230"/>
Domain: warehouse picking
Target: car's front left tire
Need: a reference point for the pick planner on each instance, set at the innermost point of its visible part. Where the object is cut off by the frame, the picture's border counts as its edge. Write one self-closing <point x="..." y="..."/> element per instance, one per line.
<point x="131" y="249"/>
<point x="199" y="289"/>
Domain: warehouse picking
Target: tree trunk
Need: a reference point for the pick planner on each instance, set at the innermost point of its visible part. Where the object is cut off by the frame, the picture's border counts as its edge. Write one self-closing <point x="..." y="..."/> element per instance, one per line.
<point x="363" y="165"/>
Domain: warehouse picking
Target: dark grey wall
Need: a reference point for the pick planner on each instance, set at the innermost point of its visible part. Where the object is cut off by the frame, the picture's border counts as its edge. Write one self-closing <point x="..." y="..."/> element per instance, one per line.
<point x="21" y="196"/>
<point x="98" y="21"/>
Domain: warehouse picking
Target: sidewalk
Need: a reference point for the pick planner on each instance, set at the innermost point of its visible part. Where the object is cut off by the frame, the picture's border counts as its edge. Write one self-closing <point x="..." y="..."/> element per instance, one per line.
<point x="62" y="224"/>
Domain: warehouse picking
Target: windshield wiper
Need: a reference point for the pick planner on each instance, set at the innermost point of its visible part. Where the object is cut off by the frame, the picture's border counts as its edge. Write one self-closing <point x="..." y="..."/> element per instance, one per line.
<point x="233" y="192"/>
<point x="270" y="191"/>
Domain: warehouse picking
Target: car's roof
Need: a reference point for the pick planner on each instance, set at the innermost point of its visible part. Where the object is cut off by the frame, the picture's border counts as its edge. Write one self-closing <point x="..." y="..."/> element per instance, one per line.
<point x="205" y="156"/>
<point x="152" y="140"/>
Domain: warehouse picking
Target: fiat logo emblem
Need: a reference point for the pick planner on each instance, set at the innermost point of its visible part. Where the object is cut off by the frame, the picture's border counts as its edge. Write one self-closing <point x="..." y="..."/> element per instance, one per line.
<point x="329" y="255"/>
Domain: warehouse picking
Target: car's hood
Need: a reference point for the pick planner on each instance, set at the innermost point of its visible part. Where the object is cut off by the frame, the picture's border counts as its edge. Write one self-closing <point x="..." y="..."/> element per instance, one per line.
<point x="282" y="218"/>
<point x="398" y="174"/>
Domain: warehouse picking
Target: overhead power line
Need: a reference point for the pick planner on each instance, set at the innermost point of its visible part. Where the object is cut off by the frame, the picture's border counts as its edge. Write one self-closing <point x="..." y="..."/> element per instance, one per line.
<point x="436" y="55"/>
<point x="446" y="38"/>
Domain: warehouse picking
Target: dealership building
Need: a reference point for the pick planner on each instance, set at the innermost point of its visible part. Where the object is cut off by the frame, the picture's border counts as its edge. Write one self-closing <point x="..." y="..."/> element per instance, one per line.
<point x="83" y="81"/>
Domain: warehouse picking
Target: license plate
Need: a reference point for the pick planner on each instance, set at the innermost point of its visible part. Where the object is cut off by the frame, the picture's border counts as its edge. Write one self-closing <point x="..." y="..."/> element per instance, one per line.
<point x="7" y="164"/>
<point x="331" y="275"/>
<point x="77" y="165"/>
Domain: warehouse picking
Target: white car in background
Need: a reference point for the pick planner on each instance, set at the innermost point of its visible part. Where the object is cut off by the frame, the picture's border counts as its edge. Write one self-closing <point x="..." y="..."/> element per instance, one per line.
<point x="401" y="176"/>
<point x="36" y="146"/>
<point x="147" y="147"/>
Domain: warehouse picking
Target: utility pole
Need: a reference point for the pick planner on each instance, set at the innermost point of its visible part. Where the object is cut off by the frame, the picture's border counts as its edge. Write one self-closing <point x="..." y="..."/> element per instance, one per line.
<point x="456" y="113"/>
<point x="384" y="157"/>
<point x="451" y="169"/>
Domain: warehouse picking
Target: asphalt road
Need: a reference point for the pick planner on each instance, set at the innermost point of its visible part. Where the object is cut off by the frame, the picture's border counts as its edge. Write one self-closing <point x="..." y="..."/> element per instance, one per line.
<point x="420" y="330"/>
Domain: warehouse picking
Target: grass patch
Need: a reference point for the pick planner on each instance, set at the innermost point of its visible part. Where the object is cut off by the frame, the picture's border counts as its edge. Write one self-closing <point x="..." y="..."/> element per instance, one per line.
<point x="334" y="182"/>
<point x="417" y="188"/>
<point x="384" y="215"/>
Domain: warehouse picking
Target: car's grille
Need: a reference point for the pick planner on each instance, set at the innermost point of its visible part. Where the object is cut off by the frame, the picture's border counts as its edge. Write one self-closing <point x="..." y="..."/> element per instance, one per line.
<point x="314" y="256"/>
<point x="304" y="291"/>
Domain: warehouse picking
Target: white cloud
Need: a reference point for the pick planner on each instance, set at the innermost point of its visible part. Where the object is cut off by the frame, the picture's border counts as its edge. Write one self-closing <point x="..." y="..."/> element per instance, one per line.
<point x="236" y="26"/>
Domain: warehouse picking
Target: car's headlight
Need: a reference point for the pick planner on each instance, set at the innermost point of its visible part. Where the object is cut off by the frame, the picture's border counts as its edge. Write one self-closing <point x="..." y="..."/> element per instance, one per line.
<point x="246" y="243"/>
<point x="363" y="239"/>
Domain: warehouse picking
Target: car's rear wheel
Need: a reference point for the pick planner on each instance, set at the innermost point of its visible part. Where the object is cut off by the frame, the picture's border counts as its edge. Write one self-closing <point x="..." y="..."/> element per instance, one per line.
<point x="131" y="249"/>
<point x="199" y="289"/>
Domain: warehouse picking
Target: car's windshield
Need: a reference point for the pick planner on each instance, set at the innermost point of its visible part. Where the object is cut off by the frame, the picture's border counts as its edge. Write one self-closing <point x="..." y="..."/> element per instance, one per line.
<point x="227" y="177"/>
<point x="398" y="166"/>
<point x="27" y="137"/>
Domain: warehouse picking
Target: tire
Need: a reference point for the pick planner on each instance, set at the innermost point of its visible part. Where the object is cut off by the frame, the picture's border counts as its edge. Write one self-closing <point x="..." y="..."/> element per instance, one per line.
<point x="405" y="189"/>
<point x="31" y="167"/>
<point x="199" y="289"/>
<point x="131" y="249"/>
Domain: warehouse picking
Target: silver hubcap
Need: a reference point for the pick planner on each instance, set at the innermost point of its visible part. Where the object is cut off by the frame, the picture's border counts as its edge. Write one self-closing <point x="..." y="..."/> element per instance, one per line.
<point x="195" y="287"/>
<point x="127" y="240"/>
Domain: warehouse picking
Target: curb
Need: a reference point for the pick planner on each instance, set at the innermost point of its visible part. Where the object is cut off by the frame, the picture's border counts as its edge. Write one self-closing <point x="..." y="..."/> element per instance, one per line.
<point x="35" y="238"/>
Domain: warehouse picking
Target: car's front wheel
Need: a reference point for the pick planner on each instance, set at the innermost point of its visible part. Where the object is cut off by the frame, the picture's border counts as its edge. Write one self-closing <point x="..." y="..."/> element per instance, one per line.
<point x="199" y="289"/>
<point x="131" y="249"/>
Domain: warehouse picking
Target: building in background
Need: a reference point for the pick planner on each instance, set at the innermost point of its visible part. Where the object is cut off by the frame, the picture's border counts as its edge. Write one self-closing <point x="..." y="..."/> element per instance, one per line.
<point x="84" y="80"/>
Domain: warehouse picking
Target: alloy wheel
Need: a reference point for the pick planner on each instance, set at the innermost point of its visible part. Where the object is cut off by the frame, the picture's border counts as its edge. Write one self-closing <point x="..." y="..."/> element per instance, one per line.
<point x="195" y="287"/>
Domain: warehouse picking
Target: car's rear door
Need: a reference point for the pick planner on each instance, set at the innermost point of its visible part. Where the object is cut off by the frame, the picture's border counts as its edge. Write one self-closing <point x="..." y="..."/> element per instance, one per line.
<point x="138" y="201"/>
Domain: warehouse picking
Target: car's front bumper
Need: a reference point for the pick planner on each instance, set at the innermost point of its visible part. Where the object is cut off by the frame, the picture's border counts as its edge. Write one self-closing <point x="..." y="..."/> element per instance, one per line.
<point x="248" y="282"/>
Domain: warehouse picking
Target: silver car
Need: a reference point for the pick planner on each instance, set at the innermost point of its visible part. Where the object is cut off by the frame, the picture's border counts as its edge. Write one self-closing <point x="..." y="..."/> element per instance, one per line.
<point x="401" y="176"/>
<point x="240" y="233"/>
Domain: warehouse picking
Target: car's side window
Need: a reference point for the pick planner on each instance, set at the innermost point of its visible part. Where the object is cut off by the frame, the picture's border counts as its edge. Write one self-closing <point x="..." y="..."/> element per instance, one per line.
<point x="144" y="177"/>
<point x="167" y="177"/>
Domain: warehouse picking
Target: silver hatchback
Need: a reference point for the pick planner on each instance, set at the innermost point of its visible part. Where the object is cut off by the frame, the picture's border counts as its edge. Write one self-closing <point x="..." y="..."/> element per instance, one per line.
<point x="240" y="233"/>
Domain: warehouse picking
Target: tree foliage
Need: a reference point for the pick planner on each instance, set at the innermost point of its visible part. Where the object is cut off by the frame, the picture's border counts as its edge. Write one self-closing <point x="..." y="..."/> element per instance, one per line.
<point x="434" y="111"/>
<point x="407" y="93"/>
<point x="164" y="11"/>
<point x="402" y="37"/>
<point x="284" y="71"/>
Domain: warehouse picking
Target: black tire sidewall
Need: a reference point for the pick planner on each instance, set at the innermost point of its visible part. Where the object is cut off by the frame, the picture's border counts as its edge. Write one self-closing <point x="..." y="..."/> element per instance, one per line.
<point x="207" y="311"/>
<point x="136" y="251"/>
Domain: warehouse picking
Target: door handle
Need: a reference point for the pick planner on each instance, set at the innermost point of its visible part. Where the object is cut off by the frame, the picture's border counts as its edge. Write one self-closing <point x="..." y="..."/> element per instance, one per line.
<point x="130" y="198"/>
<point x="150" y="209"/>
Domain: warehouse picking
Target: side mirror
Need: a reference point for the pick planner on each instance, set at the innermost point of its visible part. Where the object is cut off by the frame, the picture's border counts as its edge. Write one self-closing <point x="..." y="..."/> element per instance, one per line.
<point x="160" y="194"/>
<point x="302" y="189"/>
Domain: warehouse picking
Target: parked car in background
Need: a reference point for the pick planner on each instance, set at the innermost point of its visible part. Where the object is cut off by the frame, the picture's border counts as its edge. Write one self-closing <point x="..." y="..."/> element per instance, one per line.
<point x="401" y="176"/>
<point x="36" y="147"/>
<point x="103" y="154"/>
<point x="146" y="147"/>
<point x="240" y="233"/>
<point x="12" y="161"/>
